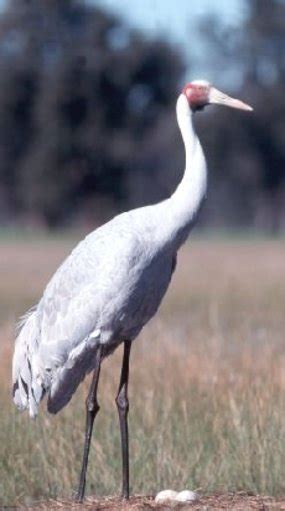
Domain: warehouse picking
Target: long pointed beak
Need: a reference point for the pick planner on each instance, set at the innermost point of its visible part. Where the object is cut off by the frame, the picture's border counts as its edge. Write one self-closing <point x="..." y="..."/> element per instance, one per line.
<point x="219" y="98"/>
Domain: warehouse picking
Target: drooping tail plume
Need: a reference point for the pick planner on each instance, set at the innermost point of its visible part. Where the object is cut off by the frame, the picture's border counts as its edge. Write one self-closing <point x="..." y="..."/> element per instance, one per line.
<point x="28" y="386"/>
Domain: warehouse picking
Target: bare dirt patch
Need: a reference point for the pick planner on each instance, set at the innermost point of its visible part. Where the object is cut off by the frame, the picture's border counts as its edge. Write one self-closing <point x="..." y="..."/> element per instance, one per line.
<point x="231" y="501"/>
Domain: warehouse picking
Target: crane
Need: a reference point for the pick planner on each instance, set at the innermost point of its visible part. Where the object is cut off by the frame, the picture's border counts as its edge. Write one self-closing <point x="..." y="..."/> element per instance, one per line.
<point x="108" y="288"/>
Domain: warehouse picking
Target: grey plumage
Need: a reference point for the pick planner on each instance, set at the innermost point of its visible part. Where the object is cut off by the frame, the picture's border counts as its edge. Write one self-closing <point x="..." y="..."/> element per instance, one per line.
<point x="106" y="290"/>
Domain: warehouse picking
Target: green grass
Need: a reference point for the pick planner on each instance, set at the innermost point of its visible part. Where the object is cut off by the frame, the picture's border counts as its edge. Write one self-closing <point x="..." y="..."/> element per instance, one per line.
<point x="206" y="392"/>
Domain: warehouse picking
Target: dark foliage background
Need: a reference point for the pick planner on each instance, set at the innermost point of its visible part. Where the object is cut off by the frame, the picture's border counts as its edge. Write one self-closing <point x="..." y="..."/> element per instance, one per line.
<point x="247" y="153"/>
<point x="87" y="117"/>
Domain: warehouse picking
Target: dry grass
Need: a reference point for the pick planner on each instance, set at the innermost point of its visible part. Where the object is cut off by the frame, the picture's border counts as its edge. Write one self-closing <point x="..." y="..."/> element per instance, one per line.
<point x="207" y="383"/>
<point x="234" y="501"/>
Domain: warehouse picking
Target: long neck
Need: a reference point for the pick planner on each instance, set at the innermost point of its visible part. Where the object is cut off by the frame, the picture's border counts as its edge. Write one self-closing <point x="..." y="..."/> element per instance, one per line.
<point x="186" y="201"/>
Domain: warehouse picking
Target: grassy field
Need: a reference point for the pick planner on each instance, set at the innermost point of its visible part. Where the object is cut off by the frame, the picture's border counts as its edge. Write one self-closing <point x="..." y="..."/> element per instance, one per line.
<point x="207" y="396"/>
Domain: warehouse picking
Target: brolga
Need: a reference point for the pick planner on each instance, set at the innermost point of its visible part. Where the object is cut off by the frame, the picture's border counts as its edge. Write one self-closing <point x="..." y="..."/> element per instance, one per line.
<point x="108" y="288"/>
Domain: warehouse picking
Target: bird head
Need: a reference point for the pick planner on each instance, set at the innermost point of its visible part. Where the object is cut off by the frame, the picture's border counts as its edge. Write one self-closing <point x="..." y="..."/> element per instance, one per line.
<point x="200" y="93"/>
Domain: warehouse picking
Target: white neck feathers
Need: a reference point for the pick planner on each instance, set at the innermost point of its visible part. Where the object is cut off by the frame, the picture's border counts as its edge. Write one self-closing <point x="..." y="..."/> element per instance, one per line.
<point x="187" y="199"/>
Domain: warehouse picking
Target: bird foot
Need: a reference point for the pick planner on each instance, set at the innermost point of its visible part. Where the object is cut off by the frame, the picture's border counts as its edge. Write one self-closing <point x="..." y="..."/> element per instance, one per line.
<point x="78" y="497"/>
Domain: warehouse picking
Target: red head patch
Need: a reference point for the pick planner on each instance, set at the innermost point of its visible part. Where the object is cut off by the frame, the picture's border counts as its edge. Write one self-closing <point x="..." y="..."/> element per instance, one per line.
<point x="197" y="94"/>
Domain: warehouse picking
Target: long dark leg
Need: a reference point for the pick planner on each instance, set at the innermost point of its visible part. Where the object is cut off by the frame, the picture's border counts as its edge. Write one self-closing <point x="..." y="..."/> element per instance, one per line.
<point x="92" y="408"/>
<point x="123" y="408"/>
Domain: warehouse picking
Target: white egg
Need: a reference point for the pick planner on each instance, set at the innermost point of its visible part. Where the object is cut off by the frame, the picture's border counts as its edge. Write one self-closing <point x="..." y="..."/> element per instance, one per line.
<point x="186" y="496"/>
<point x="165" y="496"/>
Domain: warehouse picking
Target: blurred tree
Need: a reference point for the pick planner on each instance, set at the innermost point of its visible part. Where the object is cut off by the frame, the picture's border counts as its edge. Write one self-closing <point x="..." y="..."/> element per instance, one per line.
<point x="87" y="122"/>
<point x="80" y="96"/>
<point x="249" y="154"/>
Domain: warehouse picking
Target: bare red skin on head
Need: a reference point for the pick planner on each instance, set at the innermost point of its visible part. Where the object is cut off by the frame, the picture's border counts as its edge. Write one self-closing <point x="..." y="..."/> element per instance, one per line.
<point x="196" y="94"/>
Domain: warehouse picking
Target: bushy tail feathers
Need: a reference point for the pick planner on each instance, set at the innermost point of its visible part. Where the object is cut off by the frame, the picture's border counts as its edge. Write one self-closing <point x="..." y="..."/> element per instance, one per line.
<point x="28" y="388"/>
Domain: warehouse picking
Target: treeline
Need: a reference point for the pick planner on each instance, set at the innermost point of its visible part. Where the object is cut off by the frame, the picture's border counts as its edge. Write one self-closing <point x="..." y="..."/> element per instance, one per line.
<point x="81" y="97"/>
<point x="247" y="153"/>
<point x="87" y="119"/>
